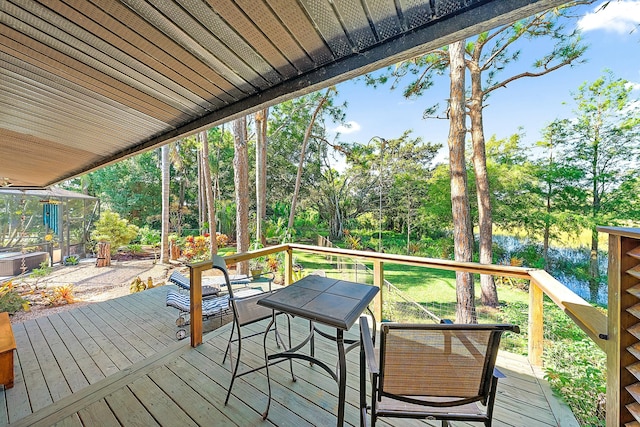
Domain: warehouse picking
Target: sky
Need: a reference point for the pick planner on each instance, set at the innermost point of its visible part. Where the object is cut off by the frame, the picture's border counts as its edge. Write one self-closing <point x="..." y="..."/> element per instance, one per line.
<point x="525" y="106"/>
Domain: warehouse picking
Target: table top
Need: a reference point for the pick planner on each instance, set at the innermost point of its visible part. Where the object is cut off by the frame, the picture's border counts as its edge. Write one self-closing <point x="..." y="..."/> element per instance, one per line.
<point x="333" y="302"/>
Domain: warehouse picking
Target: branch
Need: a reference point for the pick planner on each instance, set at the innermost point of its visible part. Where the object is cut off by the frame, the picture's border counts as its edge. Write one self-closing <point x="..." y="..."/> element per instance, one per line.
<point x="526" y="74"/>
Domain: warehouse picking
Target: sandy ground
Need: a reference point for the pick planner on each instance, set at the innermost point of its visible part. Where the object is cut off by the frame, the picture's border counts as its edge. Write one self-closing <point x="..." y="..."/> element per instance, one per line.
<point x="90" y="284"/>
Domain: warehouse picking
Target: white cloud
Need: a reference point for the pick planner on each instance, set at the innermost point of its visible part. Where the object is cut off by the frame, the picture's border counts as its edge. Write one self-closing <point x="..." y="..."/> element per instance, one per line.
<point x="618" y="17"/>
<point x="348" y="127"/>
<point x="634" y="86"/>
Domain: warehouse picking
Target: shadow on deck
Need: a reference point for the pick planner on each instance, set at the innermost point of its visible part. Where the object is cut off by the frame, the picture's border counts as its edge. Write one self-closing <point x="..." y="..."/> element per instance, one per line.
<point x="118" y="363"/>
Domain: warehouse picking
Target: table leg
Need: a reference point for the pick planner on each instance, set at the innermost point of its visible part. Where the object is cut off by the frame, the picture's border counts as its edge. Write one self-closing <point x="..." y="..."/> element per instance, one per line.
<point x="266" y="363"/>
<point x="342" y="376"/>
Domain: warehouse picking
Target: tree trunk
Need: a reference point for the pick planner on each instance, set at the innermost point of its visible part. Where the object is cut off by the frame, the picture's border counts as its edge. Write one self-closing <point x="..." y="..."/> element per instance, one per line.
<point x="261" y="174"/>
<point x="303" y="150"/>
<point x="241" y="181"/>
<point x="485" y="221"/>
<point x="208" y="191"/>
<point x="166" y="179"/>
<point x="462" y="230"/>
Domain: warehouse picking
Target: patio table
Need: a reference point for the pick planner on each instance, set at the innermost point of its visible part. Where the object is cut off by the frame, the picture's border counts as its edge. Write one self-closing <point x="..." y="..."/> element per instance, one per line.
<point x="332" y="302"/>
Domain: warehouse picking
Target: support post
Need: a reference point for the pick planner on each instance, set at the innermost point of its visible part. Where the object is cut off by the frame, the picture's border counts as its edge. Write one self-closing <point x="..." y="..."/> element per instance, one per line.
<point x="288" y="267"/>
<point x="536" y="323"/>
<point x="378" y="281"/>
<point x="195" y="294"/>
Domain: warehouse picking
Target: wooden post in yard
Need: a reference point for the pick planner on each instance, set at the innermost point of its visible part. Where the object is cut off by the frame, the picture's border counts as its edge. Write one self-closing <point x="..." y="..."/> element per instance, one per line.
<point x="104" y="254"/>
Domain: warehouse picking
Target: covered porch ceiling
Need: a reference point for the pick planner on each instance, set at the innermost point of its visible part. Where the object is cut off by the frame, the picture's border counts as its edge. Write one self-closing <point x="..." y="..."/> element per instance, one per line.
<point x="85" y="83"/>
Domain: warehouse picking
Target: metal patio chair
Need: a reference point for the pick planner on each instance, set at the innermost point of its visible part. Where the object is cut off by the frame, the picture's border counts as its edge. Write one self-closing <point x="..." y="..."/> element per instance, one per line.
<point x="246" y="311"/>
<point x="431" y="371"/>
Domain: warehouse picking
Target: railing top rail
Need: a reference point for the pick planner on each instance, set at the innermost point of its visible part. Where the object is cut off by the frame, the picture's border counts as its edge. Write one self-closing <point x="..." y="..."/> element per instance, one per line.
<point x="591" y="320"/>
<point x="443" y="264"/>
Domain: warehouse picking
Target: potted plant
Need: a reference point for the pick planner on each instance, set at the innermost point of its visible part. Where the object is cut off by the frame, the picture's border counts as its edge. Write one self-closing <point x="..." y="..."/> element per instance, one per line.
<point x="256" y="266"/>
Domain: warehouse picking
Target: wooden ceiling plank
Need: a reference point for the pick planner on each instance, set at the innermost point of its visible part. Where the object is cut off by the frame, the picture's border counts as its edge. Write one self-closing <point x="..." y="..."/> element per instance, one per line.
<point x="236" y="18"/>
<point x="385" y="18"/>
<point x="43" y="57"/>
<point x="297" y="23"/>
<point x="234" y="38"/>
<point x="52" y="85"/>
<point x="77" y="43"/>
<point x="124" y="41"/>
<point x="174" y="28"/>
<point x="354" y="18"/>
<point x="84" y="123"/>
<point x="151" y="40"/>
<point x="279" y="35"/>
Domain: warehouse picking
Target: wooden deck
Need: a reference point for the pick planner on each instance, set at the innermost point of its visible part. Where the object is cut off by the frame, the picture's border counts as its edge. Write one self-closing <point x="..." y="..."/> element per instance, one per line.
<point x="118" y="363"/>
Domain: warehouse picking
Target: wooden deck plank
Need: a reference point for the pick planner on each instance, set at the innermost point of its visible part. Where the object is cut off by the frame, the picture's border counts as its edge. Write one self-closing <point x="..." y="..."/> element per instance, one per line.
<point x="160" y="406"/>
<point x="29" y="377"/>
<point x="90" y="345"/>
<point x="128" y="335"/>
<point x="157" y="323"/>
<point x="77" y="352"/>
<point x="68" y="364"/>
<point x="178" y="381"/>
<point x="128" y="410"/>
<point x="190" y="393"/>
<point x="15" y="404"/>
<point x="98" y="414"/>
<point x="72" y="421"/>
<point x="111" y="349"/>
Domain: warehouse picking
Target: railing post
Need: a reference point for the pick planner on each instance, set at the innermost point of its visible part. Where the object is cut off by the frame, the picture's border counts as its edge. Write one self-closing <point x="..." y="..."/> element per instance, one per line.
<point x="536" y="323"/>
<point x="378" y="281"/>
<point x="288" y="267"/>
<point x="195" y="297"/>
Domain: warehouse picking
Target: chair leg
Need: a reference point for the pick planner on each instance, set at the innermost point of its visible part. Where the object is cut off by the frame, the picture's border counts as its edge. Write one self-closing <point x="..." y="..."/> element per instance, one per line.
<point x="234" y="366"/>
<point x="228" y="349"/>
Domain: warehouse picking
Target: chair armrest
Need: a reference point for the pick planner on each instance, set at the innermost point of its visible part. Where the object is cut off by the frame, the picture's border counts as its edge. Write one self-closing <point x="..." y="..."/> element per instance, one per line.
<point x="367" y="342"/>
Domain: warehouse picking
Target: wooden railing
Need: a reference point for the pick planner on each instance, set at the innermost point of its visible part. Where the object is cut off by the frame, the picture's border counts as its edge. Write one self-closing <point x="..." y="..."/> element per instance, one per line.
<point x="614" y="333"/>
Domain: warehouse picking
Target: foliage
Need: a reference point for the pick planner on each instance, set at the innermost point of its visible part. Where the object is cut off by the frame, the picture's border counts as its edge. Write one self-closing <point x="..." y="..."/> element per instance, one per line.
<point x="196" y="248"/>
<point x="62" y="295"/>
<point x="148" y="236"/>
<point x="113" y="229"/>
<point x="273" y="263"/>
<point x="44" y="270"/>
<point x="222" y="239"/>
<point x="10" y="300"/>
<point x="71" y="260"/>
<point x="131" y="188"/>
<point x="134" y="248"/>
<point x="576" y="370"/>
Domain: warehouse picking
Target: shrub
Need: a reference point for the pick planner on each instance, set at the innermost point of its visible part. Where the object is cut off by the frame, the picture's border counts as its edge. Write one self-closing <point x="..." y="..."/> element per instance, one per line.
<point x="44" y="270"/>
<point x="113" y="229"/>
<point x="149" y="236"/>
<point x="222" y="239"/>
<point x="62" y="295"/>
<point x="71" y="260"/>
<point x="10" y="300"/>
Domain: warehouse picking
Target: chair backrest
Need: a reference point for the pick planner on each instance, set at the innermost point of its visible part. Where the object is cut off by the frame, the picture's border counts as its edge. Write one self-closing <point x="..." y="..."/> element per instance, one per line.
<point x="440" y="360"/>
<point x="220" y="264"/>
<point x="245" y="305"/>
